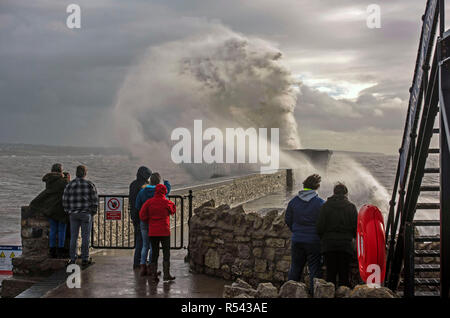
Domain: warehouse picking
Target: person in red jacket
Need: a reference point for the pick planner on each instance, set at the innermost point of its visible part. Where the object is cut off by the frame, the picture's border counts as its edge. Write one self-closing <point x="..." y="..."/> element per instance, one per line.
<point x="156" y="212"/>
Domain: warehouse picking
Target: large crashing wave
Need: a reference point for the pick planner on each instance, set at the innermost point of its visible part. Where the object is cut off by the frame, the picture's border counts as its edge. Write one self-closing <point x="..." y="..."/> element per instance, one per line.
<point x="223" y="78"/>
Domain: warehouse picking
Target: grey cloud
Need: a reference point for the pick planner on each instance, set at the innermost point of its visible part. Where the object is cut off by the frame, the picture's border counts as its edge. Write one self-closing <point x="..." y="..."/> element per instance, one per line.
<point x="49" y="73"/>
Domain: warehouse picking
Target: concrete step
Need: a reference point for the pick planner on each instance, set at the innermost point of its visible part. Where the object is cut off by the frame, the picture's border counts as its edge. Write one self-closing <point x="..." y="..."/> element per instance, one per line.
<point x="427" y="267"/>
<point x="427" y="281"/>
<point x="427" y="253"/>
<point x="427" y="223"/>
<point x="422" y="293"/>
<point x="428" y="206"/>
<point x="426" y="238"/>
<point x="430" y="188"/>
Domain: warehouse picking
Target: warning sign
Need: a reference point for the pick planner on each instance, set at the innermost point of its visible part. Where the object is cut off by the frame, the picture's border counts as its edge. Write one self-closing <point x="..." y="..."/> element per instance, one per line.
<point x="7" y="253"/>
<point x="113" y="208"/>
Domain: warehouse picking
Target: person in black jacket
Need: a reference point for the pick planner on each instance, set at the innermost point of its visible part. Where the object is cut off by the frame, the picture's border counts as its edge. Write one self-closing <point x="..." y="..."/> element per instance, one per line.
<point x="142" y="179"/>
<point x="336" y="227"/>
<point x="49" y="204"/>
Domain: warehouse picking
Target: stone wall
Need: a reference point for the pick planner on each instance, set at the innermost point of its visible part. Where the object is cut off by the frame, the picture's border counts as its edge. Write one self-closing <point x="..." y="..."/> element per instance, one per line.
<point x="240" y="189"/>
<point x="232" y="244"/>
<point x="34" y="264"/>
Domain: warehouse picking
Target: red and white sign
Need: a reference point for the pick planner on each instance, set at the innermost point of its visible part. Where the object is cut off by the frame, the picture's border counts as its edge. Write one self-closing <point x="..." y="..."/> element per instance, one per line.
<point x="113" y="208"/>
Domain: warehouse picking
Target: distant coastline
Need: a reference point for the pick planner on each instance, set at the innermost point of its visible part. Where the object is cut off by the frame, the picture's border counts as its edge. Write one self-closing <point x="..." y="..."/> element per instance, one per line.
<point x="19" y="149"/>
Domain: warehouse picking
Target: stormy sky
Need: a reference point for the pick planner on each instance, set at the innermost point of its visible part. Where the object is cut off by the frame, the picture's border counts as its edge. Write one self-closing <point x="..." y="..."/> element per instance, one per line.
<point x="58" y="86"/>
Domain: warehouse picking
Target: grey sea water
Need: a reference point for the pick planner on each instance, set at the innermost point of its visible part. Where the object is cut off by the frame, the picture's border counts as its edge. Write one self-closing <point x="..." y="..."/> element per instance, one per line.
<point x="22" y="168"/>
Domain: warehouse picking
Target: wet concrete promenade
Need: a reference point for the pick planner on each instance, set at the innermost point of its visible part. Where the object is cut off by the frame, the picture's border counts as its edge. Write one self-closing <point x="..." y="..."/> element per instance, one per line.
<point x="112" y="276"/>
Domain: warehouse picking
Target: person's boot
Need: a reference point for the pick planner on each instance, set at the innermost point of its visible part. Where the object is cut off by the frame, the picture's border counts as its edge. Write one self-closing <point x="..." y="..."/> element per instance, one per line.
<point x="158" y="273"/>
<point x="60" y="253"/>
<point x="166" y="270"/>
<point x="143" y="270"/>
<point x="153" y="276"/>
<point x="52" y="252"/>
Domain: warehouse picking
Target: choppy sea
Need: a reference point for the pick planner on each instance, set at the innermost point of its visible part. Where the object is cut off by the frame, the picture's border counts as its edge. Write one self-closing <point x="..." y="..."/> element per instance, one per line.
<point x="22" y="168"/>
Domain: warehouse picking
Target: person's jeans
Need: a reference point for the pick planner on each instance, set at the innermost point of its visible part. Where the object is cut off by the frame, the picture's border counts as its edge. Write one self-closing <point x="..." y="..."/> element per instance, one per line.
<point x="77" y="221"/>
<point x="300" y="254"/>
<point x="165" y="242"/>
<point x="338" y="264"/>
<point x="57" y="229"/>
<point x="145" y="243"/>
<point x="137" y="242"/>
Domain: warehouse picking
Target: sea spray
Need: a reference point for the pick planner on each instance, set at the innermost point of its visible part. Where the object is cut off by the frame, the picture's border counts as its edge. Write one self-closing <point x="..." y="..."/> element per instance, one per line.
<point x="223" y="78"/>
<point x="363" y="187"/>
<point x="227" y="80"/>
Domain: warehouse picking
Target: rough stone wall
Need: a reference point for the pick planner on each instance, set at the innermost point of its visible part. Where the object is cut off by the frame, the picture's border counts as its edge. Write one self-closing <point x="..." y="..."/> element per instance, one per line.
<point x="34" y="233"/>
<point x="239" y="189"/>
<point x="34" y="261"/>
<point x="232" y="244"/>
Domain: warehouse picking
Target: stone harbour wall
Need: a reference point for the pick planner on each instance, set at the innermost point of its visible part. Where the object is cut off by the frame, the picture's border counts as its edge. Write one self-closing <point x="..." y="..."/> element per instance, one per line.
<point x="230" y="243"/>
<point x="240" y="189"/>
<point x="34" y="264"/>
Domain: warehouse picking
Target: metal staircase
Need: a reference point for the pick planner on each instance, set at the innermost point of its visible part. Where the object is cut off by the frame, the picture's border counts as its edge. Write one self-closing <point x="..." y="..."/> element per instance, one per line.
<point x="429" y="100"/>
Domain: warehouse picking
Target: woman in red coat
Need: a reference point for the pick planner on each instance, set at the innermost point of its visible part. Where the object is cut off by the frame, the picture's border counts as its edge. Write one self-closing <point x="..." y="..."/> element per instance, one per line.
<point x="156" y="212"/>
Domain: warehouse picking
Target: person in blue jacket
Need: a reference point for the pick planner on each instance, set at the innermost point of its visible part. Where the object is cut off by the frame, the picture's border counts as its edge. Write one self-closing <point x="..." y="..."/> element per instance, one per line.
<point x="147" y="192"/>
<point x="301" y="217"/>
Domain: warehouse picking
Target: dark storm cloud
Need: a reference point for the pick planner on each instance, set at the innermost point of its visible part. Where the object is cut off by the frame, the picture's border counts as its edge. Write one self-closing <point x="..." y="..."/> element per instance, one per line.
<point x="59" y="85"/>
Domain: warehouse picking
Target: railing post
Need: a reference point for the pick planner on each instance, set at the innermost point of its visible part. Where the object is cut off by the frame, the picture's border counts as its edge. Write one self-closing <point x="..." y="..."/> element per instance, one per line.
<point x="189" y="197"/>
<point x="444" y="101"/>
<point x="408" y="270"/>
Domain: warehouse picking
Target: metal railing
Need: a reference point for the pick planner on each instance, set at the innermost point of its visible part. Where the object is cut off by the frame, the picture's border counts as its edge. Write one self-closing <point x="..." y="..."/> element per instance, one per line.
<point x="431" y="89"/>
<point x="116" y="231"/>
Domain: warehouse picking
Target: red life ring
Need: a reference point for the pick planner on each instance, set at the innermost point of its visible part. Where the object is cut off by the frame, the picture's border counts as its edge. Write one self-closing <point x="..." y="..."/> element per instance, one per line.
<point x="370" y="241"/>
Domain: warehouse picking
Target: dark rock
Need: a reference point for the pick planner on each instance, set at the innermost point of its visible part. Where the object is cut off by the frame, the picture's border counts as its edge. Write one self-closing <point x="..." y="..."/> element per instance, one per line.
<point x="342" y="292"/>
<point x="323" y="289"/>
<point x="293" y="289"/>
<point x="365" y="291"/>
<point x="267" y="290"/>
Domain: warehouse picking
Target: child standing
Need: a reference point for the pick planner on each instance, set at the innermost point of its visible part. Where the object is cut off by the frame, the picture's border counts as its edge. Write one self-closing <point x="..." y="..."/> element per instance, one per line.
<point x="156" y="212"/>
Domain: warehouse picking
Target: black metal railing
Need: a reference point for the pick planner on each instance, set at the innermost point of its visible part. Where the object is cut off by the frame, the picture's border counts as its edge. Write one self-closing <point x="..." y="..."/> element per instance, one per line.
<point x="429" y="98"/>
<point x="112" y="227"/>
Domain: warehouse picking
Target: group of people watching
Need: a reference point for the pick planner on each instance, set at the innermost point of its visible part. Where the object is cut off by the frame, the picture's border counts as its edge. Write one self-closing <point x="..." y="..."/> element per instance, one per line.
<point x="321" y="228"/>
<point x="74" y="202"/>
<point x="150" y="212"/>
<point x="68" y="202"/>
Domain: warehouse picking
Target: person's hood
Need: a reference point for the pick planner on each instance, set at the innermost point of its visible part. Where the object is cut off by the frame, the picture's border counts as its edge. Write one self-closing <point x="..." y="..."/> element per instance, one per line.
<point x="143" y="174"/>
<point x="307" y="195"/>
<point x="52" y="177"/>
<point x="338" y="200"/>
<point x="160" y="190"/>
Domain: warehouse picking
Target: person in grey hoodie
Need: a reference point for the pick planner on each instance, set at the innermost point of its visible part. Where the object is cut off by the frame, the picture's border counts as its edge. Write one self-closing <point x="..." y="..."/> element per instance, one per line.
<point x="301" y="217"/>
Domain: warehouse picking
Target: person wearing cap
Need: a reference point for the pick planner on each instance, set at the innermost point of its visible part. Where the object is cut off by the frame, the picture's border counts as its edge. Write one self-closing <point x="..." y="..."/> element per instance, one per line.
<point x="301" y="216"/>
